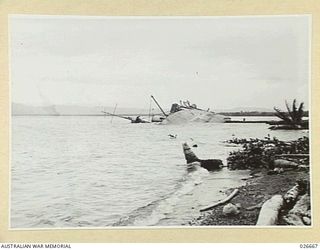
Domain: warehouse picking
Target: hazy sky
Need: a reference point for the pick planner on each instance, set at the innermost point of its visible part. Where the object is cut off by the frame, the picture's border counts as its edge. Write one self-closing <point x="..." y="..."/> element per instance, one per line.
<point x="219" y="63"/>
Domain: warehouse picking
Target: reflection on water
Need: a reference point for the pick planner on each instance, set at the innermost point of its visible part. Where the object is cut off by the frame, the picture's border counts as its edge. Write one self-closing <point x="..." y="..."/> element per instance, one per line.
<point x="88" y="172"/>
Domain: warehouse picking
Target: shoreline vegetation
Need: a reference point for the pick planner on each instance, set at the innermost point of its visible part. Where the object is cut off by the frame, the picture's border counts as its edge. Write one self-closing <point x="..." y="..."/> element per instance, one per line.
<point x="277" y="191"/>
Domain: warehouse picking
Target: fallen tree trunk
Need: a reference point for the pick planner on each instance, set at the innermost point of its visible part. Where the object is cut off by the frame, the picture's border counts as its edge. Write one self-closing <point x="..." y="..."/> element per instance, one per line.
<point x="291" y="196"/>
<point x="269" y="212"/>
<point x="280" y="163"/>
<point x="233" y="194"/>
<point x="299" y="214"/>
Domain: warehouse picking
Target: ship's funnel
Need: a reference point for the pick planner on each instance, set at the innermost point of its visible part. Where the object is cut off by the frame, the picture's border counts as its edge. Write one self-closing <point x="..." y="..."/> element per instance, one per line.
<point x="175" y="108"/>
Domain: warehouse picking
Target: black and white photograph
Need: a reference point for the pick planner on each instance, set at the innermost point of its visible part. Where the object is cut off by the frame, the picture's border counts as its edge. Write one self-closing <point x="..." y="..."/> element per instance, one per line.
<point x="151" y="122"/>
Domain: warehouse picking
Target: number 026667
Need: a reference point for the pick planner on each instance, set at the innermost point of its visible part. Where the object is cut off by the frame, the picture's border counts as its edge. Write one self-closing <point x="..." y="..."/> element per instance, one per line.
<point x="309" y="245"/>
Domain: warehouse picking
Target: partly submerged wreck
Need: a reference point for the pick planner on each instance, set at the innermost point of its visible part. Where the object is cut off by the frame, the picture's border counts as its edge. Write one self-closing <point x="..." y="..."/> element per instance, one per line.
<point x="186" y="112"/>
<point x="137" y="119"/>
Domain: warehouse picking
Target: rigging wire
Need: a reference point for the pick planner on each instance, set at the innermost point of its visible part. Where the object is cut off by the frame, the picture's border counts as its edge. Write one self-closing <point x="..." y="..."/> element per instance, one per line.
<point x="150" y="110"/>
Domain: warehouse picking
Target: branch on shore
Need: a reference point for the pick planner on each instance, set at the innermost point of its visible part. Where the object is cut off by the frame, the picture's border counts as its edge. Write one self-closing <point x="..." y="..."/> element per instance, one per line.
<point x="233" y="194"/>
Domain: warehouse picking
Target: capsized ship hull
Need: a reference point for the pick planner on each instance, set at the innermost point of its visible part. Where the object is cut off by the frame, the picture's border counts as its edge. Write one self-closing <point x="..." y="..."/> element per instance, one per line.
<point x="186" y="112"/>
<point x="194" y="115"/>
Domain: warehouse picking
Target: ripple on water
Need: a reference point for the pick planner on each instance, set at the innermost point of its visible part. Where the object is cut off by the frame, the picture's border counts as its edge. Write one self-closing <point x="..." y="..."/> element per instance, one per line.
<point x="88" y="172"/>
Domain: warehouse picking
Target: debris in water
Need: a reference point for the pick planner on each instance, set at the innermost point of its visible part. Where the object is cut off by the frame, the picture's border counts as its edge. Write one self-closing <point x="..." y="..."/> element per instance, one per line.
<point x="210" y="164"/>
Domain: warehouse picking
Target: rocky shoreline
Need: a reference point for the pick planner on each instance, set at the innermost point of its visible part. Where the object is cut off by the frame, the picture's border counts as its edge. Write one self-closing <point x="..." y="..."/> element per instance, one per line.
<point x="263" y="184"/>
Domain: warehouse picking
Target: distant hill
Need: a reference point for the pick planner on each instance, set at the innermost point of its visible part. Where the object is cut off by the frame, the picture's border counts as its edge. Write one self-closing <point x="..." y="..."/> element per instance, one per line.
<point x="22" y="109"/>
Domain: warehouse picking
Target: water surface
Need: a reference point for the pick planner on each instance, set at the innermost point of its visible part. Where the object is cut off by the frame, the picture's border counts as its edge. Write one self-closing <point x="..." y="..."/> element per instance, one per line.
<point x="88" y="172"/>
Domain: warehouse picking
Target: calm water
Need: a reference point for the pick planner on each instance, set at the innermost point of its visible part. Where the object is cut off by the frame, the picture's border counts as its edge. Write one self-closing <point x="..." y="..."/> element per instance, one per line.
<point x="89" y="172"/>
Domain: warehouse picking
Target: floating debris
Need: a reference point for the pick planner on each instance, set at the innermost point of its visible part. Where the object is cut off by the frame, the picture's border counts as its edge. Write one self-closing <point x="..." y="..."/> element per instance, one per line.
<point x="172" y="136"/>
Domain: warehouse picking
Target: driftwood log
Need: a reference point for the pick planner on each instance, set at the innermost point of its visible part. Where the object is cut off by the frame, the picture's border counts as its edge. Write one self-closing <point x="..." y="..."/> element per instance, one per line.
<point x="299" y="215"/>
<point x="233" y="194"/>
<point x="269" y="212"/>
<point x="291" y="196"/>
<point x="280" y="163"/>
<point x="300" y="211"/>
